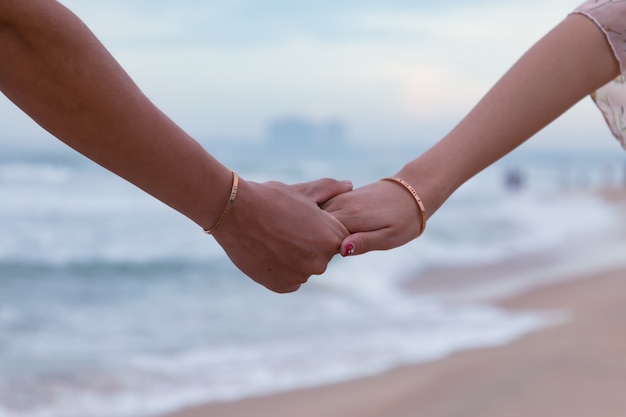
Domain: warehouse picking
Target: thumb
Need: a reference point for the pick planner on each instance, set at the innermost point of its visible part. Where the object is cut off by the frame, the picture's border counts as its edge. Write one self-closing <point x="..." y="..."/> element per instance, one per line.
<point x="363" y="242"/>
<point x="323" y="189"/>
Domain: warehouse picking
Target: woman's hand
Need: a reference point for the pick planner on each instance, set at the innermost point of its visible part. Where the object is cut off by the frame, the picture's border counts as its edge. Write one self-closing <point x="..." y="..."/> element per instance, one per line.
<point x="279" y="236"/>
<point x="380" y="216"/>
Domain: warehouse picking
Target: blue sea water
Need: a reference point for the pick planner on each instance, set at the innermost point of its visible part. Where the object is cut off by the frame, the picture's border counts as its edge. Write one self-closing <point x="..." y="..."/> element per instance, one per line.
<point x="112" y="304"/>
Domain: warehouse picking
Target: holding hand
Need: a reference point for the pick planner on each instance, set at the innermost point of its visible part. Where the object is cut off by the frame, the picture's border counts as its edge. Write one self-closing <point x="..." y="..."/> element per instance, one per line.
<point x="278" y="235"/>
<point x="380" y="216"/>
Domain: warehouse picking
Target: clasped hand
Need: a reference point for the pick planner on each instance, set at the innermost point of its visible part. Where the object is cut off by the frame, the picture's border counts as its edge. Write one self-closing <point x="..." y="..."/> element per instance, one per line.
<point x="279" y="235"/>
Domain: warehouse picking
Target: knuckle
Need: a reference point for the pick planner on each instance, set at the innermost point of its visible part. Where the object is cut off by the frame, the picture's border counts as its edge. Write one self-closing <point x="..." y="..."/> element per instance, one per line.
<point x="320" y="184"/>
<point x="366" y="244"/>
<point x="319" y="268"/>
<point x="354" y="211"/>
<point x="317" y="263"/>
<point x="285" y="288"/>
<point x="302" y="277"/>
<point x="327" y="181"/>
<point x="291" y="288"/>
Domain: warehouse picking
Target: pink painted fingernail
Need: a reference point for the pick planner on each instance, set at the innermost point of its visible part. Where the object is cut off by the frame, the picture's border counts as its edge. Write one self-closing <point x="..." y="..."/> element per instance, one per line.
<point x="350" y="249"/>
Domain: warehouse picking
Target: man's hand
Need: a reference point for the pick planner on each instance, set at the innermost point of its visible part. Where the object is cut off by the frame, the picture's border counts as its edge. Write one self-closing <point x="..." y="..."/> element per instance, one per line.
<point x="279" y="236"/>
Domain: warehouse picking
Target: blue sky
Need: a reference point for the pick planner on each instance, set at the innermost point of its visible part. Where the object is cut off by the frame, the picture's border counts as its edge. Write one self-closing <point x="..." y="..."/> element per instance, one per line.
<point x="400" y="70"/>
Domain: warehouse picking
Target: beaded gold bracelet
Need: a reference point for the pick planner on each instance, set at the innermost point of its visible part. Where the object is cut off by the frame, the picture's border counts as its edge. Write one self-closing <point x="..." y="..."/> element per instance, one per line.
<point x="229" y="205"/>
<point x="417" y="198"/>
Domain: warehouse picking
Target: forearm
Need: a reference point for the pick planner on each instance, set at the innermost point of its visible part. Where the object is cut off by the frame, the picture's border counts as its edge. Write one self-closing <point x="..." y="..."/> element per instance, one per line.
<point x="566" y="65"/>
<point x="570" y="62"/>
<point x="56" y="70"/>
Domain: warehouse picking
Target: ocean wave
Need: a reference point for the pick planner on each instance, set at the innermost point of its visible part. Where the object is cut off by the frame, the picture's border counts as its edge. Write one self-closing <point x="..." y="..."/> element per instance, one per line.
<point x="103" y="314"/>
<point x="143" y="384"/>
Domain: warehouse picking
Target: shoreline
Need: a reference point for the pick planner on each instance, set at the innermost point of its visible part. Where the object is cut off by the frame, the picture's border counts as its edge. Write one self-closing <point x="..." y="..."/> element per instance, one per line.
<point x="577" y="368"/>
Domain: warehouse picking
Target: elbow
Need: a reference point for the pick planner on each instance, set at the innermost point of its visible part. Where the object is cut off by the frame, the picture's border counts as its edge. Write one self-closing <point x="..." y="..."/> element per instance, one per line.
<point x="7" y="11"/>
<point x="22" y="14"/>
<point x="6" y="34"/>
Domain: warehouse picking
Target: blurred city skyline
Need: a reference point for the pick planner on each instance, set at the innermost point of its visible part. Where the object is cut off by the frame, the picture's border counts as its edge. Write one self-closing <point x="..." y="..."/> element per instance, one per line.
<point x="394" y="71"/>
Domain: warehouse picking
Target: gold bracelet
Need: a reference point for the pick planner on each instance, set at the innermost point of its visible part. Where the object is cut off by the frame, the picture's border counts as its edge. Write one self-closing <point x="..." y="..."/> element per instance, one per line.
<point x="229" y="205"/>
<point x="417" y="198"/>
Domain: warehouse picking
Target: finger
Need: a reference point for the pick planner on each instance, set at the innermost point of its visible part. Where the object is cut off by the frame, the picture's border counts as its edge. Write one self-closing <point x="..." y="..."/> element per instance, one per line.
<point x="323" y="189"/>
<point x="282" y="289"/>
<point x="285" y="283"/>
<point x="363" y="242"/>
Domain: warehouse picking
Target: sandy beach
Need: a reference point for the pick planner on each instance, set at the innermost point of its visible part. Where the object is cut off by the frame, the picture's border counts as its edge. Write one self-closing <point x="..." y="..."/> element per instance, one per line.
<point x="576" y="368"/>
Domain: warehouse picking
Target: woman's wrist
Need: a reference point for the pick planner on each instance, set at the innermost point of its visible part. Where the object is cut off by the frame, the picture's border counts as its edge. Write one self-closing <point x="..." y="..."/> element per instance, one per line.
<point x="418" y="200"/>
<point x="429" y="184"/>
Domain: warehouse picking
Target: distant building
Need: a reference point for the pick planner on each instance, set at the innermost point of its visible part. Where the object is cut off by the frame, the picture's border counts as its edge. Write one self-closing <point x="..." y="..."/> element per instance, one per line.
<point x="294" y="133"/>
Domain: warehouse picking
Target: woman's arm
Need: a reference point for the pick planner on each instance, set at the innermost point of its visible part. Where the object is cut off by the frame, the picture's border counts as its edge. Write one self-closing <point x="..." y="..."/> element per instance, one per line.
<point x="570" y="62"/>
<point x="55" y="69"/>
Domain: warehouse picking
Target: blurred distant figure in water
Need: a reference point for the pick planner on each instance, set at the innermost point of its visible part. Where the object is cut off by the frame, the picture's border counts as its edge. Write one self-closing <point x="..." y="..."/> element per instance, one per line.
<point x="514" y="180"/>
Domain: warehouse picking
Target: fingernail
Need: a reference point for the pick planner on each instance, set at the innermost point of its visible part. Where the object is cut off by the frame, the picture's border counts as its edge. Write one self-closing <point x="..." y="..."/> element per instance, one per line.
<point x="350" y="248"/>
<point x="347" y="182"/>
